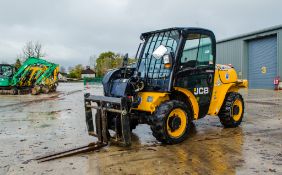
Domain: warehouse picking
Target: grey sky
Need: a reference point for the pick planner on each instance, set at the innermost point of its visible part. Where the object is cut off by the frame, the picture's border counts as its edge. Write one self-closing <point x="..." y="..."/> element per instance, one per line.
<point x="72" y="30"/>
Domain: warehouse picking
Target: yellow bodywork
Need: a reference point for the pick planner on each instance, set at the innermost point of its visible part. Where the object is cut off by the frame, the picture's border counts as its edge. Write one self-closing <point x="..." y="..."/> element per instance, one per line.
<point x="150" y="100"/>
<point x="28" y="80"/>
<point x="50" y="81"/>
<point x="225" y="81"/>
<point x="34" y="72"/>
<point x="192" y="99"/>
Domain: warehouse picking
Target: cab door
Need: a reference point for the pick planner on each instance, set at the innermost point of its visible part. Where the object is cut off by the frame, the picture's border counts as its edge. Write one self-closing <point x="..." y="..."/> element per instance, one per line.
<point x="196" y="66"/>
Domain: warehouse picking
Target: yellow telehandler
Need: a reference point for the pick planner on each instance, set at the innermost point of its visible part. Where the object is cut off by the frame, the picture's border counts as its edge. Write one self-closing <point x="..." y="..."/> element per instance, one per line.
<point x="176" y="80"/>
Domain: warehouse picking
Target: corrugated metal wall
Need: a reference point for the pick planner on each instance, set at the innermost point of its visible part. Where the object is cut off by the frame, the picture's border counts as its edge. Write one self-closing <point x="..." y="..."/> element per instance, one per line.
<point x="230" y="52"/>
<point x="235" y="52"/>
<point x="262" y="62"/>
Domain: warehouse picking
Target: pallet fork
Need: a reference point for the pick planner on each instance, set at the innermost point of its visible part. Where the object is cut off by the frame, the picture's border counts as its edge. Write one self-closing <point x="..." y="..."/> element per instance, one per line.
<point x="104" y="105"/>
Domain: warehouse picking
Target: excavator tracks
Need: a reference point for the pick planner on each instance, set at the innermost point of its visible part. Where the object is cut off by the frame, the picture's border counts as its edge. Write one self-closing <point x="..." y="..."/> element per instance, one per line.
<point x="15" y="92"/>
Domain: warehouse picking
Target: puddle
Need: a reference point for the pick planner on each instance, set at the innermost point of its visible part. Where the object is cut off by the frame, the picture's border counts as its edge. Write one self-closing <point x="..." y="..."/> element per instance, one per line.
<point x="35" y="126"/>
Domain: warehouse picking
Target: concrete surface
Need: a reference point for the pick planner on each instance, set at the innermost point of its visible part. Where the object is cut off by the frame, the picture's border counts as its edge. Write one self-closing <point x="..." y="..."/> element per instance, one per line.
<point x="33" y="126"/>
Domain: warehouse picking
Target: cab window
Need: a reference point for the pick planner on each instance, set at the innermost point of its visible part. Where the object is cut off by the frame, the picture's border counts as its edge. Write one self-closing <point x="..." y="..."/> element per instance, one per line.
<point x="197" y="51"/>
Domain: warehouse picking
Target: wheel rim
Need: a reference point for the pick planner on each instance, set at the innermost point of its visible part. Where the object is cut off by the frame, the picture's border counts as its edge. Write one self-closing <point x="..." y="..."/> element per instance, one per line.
<point x="237" y="110"/>
<point x="176" y="123"/>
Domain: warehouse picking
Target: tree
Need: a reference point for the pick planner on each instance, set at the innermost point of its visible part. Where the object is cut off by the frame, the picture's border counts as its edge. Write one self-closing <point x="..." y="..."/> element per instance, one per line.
<point x="106" y="61"/>
<point x="33" y="50"/>
<point x="18" y="63"/>
<point x="109" y="60"/>
<point x="28" y="50"/>
<point x="76" y="71"/>
<point x="38" y="50"/>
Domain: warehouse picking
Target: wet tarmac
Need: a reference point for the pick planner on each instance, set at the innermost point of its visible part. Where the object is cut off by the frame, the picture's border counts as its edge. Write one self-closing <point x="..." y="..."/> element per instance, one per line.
<point x="33" y="126"/>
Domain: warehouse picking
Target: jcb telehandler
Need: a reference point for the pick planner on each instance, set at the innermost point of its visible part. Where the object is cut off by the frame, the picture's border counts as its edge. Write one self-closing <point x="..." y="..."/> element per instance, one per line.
<point x="176" y="81"/>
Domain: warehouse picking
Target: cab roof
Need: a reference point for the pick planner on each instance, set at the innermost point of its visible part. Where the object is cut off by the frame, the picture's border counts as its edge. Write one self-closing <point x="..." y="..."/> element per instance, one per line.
<point x="179" y="29"/>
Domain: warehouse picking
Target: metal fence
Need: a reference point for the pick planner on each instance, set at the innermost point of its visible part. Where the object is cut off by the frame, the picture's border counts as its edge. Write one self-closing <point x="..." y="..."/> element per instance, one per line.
<point x="91" y="81"/>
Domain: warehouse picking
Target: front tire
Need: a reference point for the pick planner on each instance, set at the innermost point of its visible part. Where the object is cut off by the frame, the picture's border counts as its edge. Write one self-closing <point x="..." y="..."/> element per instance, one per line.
<point x="172" y="122"/>
<point x="232" y="110"/>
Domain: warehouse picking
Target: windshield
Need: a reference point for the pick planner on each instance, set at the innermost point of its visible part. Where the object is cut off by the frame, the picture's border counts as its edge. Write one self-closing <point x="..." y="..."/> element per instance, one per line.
<point x="152" y="69"/>
<point x="6" y="70"/>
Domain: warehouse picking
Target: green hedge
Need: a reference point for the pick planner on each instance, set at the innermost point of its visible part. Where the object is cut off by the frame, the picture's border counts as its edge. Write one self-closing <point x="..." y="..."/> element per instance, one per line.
<point x="96" y="80"/>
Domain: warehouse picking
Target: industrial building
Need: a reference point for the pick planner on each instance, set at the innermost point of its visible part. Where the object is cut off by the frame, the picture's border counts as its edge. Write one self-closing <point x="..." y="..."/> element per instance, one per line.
<point x="257" y="56"/>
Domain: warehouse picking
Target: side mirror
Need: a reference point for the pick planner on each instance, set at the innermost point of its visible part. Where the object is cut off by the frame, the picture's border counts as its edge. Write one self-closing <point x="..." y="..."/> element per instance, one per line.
<point x="168" y="60"/>
<point x="160" y="52"/>
<point x="125" y="60"/>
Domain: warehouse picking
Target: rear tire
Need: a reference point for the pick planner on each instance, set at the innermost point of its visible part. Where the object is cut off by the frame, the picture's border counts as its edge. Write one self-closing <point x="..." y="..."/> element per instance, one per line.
<point x="172" y="122"/>
<point x="232" y="110"/>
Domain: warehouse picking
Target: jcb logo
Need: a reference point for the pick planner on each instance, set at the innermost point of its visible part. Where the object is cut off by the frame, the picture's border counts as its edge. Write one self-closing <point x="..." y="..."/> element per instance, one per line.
<point x="201" y="90"/>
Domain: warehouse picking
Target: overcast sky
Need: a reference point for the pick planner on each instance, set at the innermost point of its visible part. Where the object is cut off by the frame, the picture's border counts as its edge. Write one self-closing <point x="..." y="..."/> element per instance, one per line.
<point x="72" y="30"/>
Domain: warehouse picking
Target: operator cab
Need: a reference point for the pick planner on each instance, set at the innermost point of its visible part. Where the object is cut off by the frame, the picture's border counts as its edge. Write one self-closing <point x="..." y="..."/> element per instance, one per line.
<point x="171" y="85"/>
<point x="6" y="70"/>
<point x="179" y="57"/>
<point x="168" y="54"/>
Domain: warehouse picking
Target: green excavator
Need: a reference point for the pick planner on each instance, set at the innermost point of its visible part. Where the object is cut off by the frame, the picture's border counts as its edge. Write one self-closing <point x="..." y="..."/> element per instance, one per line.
<point x="34" y="76"/>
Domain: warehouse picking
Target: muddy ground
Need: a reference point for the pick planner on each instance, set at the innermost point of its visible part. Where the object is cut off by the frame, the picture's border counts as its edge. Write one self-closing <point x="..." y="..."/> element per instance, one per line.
<point x="32" y="126"/>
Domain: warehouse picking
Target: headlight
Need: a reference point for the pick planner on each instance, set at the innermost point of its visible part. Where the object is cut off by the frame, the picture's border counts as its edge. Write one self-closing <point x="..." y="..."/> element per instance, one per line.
<point x="149" y="99"/>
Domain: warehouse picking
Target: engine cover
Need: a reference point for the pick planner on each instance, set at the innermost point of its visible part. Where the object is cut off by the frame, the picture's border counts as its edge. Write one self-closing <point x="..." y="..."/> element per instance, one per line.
<point x="116" y="83"/>
<point x="227" y="74"/>
<point x="120" y="88"/>
<point x="107" y="80"/>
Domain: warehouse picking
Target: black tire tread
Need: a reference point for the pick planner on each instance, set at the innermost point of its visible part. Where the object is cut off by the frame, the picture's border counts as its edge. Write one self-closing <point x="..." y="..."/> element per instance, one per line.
<point x="158" y="126"/>
<point x="225" y="114"/>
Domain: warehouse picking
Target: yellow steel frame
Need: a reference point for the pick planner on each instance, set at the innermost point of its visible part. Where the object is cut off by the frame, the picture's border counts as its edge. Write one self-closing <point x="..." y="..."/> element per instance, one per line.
<point x="192" y="99"/>
<point x="150" y="100"/>
<point x="220" y="90"/>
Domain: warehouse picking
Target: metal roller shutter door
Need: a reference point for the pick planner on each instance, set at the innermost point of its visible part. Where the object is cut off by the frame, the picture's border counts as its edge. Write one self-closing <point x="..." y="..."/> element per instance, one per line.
<point x="262" y="63"/>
